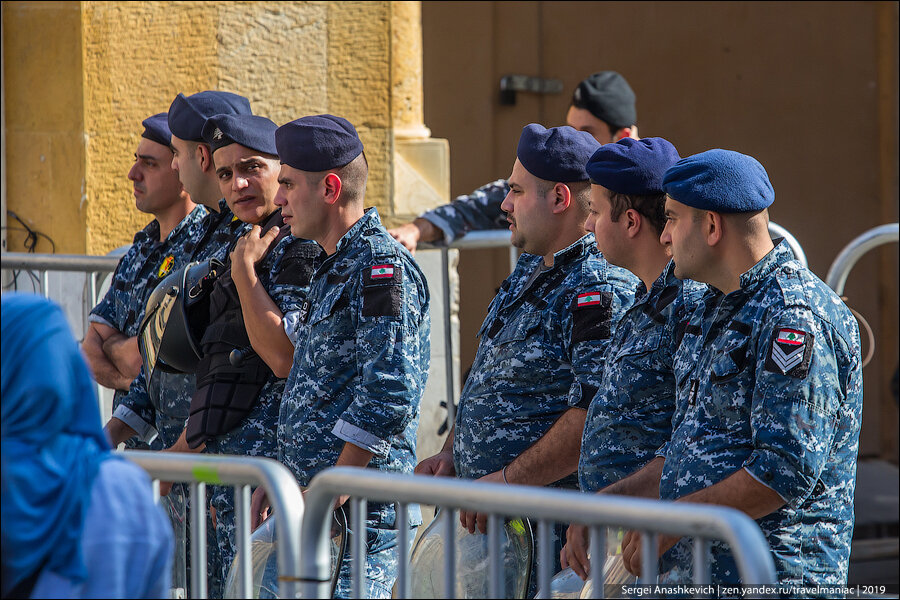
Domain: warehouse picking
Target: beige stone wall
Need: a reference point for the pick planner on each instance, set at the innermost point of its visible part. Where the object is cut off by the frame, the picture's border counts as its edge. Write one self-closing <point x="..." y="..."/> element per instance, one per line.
<point x="80" y="77"/>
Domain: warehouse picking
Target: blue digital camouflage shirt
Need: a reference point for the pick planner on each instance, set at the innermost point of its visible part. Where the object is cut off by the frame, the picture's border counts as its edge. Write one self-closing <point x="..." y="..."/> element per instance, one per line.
<point x="630" y="418"/>
<point x="477" y="211"/>
<point x="769" y="380"/>
<point x="164" y="408"/>
<point x="361" y="359"/>
<point x="145" y="264"/>
<point x="539" y="354"/>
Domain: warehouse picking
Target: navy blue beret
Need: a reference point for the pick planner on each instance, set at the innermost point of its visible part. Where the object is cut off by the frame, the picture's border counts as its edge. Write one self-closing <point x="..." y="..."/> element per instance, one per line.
<point x="187" y="114"/>
<point x="633" y="167"/>
<point x="607" y="96"/>
<point x="156" y="129"/>
<point x="250" y="131"/>
<point x="556" y="154"/>
<point x="721" y="181"/>
<point x="317" y="143"/>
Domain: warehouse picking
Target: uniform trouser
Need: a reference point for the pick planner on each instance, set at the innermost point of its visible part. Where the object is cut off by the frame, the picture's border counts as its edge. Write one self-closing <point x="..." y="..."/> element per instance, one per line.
<point x="382" y="561"/>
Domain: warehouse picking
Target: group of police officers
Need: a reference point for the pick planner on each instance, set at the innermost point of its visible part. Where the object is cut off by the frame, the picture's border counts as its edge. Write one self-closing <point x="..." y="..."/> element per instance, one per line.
<point x="652" y="340"/>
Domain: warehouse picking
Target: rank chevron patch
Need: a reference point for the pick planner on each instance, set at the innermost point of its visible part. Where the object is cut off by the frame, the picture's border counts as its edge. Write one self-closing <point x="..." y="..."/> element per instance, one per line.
<point x="790" y="353"/>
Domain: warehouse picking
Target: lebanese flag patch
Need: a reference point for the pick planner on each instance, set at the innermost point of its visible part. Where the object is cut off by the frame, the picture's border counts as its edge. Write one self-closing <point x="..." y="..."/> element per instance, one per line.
<point x="382" y="272"/>
<point x="791" y="337"/>
<point x="790" y="353"/>
<point x="588" y="299"/>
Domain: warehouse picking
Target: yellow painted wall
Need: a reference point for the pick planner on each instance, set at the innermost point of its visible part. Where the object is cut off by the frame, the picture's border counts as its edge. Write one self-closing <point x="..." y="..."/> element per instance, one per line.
<point x="44" y="124"/>
<point x="115" y="63"/>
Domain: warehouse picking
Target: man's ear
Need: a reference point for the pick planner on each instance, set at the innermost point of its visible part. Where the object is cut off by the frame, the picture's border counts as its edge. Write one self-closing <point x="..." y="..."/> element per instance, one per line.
<point x="562" y="198"/>
<point x="633" y="221"/>
<point x="714" y="224"/>
<point x="206" y="161"/>
<point x="333" y="187"/>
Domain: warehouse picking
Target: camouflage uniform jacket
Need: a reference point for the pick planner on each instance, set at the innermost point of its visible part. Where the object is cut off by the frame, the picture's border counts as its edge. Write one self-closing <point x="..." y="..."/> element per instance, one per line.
<point x="164" y="408"/>
<point x="361" y="359"/>
<point x="769" y="380"/>
<point x="477" y="211"/>
<point x="145" y="264"/>
<point x="630" y="418"/>
<point x="539" y="355"/>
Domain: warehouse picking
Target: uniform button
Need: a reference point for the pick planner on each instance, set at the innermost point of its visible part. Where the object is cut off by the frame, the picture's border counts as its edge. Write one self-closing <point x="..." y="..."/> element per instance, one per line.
<point x="768" y="477"/>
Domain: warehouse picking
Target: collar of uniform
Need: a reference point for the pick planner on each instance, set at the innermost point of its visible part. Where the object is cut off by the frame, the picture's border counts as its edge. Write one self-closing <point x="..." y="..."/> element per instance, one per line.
<point x="150" y="233"/>
<point x="665" y="279"/>
<point x="195" y="216"/>
<point x="575" y="251"/>
<point x="369" y="220"/>
<point x="779" y="255"/>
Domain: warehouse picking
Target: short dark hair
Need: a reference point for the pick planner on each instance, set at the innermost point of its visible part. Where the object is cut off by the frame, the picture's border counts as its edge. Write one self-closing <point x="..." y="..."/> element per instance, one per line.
<point x="652" y="207"/>
<point x="353" y="177"/>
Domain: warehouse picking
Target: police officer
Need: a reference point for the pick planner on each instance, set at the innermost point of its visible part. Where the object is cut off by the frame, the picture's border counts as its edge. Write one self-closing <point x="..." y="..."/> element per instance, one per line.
<point x="163" y="408"/>
<point x="110" y="343"/>
<point x="362" y="336"/>
<point x="245" y="352"/>
<point x="631" y="415"/>
<point x="769" y="382"/>
<point x="603" y="105"/>
<point x="522" y="409"/>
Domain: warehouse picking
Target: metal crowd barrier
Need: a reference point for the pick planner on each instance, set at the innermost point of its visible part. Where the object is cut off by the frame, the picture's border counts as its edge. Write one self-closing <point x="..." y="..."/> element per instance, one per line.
<point x="852" y="252"/>
<point x="241" y="472"/>
<point x="652" y="517"/>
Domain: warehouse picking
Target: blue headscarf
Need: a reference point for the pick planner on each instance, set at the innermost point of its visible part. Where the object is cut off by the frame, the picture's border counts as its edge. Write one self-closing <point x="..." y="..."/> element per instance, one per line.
<point x="52" y="441"/>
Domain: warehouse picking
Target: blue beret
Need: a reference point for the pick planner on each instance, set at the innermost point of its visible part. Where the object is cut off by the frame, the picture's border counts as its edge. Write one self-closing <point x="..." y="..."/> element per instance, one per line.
<point x="556" y="154"/>
<point x="607" y="96"/>
<point x="633" y="167"/>
<point x="188" y="113"/>
<point x="250" y="131"/>
<point x="156" y="129"/>
<point x="317" y="143"/>
<point x="721" y="181"/>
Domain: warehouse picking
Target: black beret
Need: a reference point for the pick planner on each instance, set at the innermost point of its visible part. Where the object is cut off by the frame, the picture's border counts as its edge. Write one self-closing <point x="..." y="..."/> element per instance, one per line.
<point x="556" y="154"/>
<point x="633" y="167"/>
<point x="721" y="181"/>
<point x="317" y="143"/>
<point x="156" y="129"/>
<point x="250" y="131"/>
<point x="187" y="114"/>
<point x="607" y="96"/>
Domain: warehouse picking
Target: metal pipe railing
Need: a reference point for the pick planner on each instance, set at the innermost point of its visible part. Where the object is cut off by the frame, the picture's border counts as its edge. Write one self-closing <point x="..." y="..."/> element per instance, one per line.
<point x="852" y="252"/>
<point x="749" y="546"/>
<point x="777" y="231"/>
<point x="241" y="472"/>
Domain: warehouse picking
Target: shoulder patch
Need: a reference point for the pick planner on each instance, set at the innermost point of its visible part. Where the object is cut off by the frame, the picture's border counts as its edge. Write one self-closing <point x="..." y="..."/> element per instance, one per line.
<point x="382" y="290"/>
<point x="790" y="353"/>
<point x="591" y="313"/>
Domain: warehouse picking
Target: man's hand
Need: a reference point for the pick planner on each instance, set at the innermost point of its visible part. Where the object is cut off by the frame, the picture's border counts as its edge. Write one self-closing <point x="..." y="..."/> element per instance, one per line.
<point x="259" y="508"/>
<point x="419" y="230"/>
<point x="439" y="465"/>
<point x="180" y="445"/>
<point x="471" y="519"/>
<point x="575" y="553"/>
<point x="250" y="249"/>
<point x="631" y="550"/>
<point x="125" y="354"/>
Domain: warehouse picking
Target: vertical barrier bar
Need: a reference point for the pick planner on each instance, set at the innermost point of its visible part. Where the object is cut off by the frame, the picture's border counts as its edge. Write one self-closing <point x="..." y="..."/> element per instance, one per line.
<point x="154" y="485"/>
<point x="358" y="554"/>
<point x="198" y="540"/>
<point x="45" y="284"/>
<point x="402" y="525"/>
<point x="598" y="545"/>
<point x="495" y="558"/>
<point x="242" y="511"/>
<point x="649" y="558"/>
<point x="450" y="554"/>
<point x="544" y="561"/>
<point x="701" y="561"/>
<point x="448" y="340"/>
<point x="513" y="259"/>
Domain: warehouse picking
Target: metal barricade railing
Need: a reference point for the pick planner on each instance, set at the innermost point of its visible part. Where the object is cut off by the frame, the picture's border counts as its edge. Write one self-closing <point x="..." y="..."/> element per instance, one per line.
<point x="852" y="252"/>
<point x="241" y="472"/>
<point x="652" y="517"/>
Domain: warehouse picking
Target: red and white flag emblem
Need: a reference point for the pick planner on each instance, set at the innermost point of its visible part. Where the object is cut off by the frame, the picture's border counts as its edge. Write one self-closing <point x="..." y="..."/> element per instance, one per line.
<point x="791" y="336"/>
<point x="588" y="299"/>
<point x="382" y="271"/>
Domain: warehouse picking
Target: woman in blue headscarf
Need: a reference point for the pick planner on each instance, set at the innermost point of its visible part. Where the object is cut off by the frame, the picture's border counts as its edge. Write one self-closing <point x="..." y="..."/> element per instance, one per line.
<point x="77" y="520"/>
